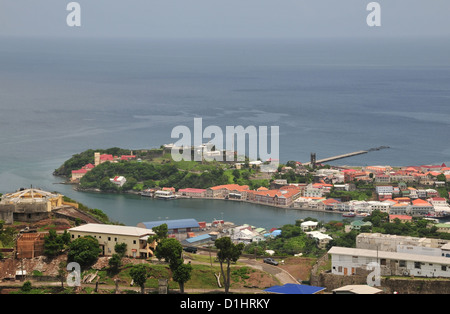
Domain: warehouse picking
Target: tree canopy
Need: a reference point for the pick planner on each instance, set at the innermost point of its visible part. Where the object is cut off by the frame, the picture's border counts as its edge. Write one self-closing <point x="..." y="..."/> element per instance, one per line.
<point x="84" y="251"/>
<point x="227" y="253"/>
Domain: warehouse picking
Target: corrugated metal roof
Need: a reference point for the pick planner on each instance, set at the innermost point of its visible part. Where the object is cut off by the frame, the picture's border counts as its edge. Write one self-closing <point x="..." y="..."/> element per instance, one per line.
<point x="199" y="238"/>
<point x="171" y="224"/>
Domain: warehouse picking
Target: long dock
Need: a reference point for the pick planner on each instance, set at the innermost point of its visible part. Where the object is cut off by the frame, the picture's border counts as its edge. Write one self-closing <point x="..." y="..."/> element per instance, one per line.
<point x="346" y="155"/>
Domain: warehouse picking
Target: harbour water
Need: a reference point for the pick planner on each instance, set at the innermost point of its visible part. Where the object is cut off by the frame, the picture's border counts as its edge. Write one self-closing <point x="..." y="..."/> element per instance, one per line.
<point x="60" y="97"/>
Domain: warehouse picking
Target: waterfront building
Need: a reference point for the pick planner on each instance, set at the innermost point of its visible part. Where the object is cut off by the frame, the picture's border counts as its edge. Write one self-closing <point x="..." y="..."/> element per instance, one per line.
<point x="109" y="235"/>
<point x="164" y="194"/>
<point x="440" y="205"/>
<point x="118" y="180"/>
<point x="174" y="226"/>
<point x="307" y="202"/>
<point x="77" y="175"/>
<point x="285" y="196"/>
<point x="421" y="207"/>
<point x="329" y="204"/>
<point x="400" y="209"/>
<point x="222" y="191"/>
<point x="191" y="192"/>
<point x="381" y="206"/>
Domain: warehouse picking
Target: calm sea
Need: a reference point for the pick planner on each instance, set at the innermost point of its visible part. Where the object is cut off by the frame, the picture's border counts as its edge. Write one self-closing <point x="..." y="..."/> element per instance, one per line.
<point x="59" y="97"/>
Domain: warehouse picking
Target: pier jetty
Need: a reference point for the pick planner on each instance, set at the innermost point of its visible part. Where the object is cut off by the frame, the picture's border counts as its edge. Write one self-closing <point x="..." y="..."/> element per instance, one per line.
<point x="313" y="161"/>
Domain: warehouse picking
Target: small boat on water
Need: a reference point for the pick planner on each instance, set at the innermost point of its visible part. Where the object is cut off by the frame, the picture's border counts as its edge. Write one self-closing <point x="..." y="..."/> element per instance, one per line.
<point x="349" y="214"/>
<point x="362" y="215"/>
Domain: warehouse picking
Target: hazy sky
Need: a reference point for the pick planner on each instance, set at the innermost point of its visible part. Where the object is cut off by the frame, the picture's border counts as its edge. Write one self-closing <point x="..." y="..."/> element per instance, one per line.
<point x="225" y="18"/>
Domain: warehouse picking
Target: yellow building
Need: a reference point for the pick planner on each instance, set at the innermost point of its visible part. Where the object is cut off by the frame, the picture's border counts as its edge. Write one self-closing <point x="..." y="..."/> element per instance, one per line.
<point x="29" y="205"/>
<point x="109" y="235"/>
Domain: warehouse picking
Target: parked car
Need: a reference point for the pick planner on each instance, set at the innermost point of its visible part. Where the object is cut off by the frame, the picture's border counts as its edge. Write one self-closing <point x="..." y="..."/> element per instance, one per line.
<point x="270" y="261"/>
<point x="190" y="249"/>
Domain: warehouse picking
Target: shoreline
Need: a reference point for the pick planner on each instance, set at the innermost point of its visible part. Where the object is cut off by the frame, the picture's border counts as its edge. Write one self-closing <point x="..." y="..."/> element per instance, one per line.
<point x="98" y="191"/>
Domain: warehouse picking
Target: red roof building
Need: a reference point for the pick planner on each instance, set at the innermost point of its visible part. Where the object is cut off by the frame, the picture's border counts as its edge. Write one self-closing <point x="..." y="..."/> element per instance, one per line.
<point x="127" y="157"/>
<point x="402" y="218"/>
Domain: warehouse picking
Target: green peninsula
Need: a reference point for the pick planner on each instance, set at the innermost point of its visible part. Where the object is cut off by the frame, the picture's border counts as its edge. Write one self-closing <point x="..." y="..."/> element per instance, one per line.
<point x="149" y="168"/>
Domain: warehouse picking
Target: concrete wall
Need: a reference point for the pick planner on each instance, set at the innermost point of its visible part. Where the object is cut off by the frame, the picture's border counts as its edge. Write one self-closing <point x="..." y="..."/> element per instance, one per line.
<point x="6" y="213"/>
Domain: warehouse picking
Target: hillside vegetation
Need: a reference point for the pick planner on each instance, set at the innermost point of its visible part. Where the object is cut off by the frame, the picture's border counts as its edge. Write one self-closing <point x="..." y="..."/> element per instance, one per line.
<point x="152" y="168"/>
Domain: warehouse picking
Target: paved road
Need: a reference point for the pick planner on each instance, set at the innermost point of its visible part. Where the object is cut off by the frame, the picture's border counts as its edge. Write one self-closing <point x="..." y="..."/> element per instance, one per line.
<point x="282" y="275"/>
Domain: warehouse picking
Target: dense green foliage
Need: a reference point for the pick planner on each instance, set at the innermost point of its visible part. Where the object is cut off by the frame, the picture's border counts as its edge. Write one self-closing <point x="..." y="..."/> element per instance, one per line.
<point x="54" y="243"/>
<point x="417" y="228"/>
<point x="7" y="235"/>
<point x="151" y="174"/>
<point x="139" y="274"/>
<point x="227" y="253"/>
<point x="84" y="251"/>
<point x="171" y="251"/>
<point x="95" y="212"/>
<point x="156" y="170"/>
<point x="292" y="240"/>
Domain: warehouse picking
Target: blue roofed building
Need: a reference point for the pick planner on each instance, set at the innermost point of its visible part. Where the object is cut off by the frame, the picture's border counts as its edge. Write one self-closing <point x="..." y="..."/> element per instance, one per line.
<point x="174" y="226"/>
<point x="290" y="288"/>
<point x="201" y="239"/>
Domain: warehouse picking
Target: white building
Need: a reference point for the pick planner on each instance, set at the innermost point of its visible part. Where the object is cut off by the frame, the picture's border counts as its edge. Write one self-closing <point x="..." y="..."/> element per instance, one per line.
<point x="109" y="235"/>
<point x="164" y="194"/>
<point x="381" y="206"/>
<point x="308" y="225"/>
<point x="244" y="234"/>
<point x="322" y="239"/>
<point x="440" y="204"/>
<point x="382" y="189"/>
<point x="311" y="191"/>
<point x="345" y="261"/>
<point x="119" y="180"/>
<point x="421" y="193"/>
